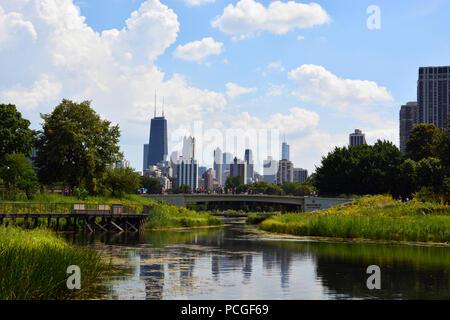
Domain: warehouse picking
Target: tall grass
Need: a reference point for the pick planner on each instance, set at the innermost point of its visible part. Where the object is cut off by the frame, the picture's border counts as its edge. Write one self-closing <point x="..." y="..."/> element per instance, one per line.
<point x="165" y="216"/>
<point x="33" y="265"/>
<point x="377" y="218"/>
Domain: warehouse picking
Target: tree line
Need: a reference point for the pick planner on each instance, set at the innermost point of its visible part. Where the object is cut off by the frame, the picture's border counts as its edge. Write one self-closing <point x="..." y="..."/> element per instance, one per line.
<point x="382" y="168"/>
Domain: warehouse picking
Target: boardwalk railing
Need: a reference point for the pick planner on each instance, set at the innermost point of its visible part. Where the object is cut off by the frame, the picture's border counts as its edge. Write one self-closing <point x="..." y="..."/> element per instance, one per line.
<point x="93" y="217"/>
<point x="66" y="208"/>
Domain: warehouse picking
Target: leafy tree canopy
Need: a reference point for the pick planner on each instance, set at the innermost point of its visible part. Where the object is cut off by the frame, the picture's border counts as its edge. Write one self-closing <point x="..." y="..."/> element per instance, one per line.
<point x="424" y="141"/>
<point x="15" y="135"/>
<point x="152" y="185"/>
<point x="18" y="174"/>
<point x="76" y="146"/>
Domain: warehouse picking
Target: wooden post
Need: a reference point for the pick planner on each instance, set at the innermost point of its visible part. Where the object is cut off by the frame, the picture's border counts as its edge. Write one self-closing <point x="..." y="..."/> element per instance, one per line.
<point x="84" y="224"/>
<point x="57" y="223"/>
<point x="36" y="219"/>
<point x="26" y="222"/>
<point x="74" y="224"/>
<point x="49" y="221"/>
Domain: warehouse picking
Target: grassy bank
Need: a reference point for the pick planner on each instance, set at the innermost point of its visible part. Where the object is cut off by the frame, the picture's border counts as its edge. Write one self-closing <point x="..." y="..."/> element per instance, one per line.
<point x="161" y="216"/>
<point x="165" y="216"/>
<point x="375" y="218"/>
<point x="33" y="265"/>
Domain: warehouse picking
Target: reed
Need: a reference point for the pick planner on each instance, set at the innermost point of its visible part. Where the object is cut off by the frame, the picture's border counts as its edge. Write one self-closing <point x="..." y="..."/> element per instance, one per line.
<point x="375" y="218"/>
<point x="33" y="265"/>
<point x="165" y="216"/>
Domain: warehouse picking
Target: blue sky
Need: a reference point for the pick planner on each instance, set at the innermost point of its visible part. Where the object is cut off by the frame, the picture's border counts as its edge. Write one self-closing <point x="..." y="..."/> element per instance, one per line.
<point x="314" y="77"/>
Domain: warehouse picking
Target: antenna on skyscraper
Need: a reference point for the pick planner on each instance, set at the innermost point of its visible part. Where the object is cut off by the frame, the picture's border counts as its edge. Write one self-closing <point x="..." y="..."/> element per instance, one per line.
<point x="163" y="108"/>
<point x="155" y="104"/>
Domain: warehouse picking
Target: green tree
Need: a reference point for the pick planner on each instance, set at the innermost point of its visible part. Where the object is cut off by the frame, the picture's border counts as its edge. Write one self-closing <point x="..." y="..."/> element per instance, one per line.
<point x="297" y="189"/>
<point x="407" y="183"/>
<point x="183" y="189"/>
<point x="152" y="185"/>
<point x="273" y="189"/>
<point x="361" y="169"/>
<point x="76" y="146"/>
<point x="121" y="181"/>
<point x="424" y="141"/>
<point x="233" y="182"/>
<point x="18" y="174"/>
<point x="430" y="173"/>
<point x="15" y="135"/>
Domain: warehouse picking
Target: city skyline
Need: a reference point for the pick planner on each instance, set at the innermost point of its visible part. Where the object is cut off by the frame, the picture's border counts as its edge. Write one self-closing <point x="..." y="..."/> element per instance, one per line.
<point x="256" y="75"/>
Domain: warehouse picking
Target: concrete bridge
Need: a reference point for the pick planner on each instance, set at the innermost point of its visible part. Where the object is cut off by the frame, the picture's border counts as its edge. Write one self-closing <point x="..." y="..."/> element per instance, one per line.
<point x="307" y="204"/>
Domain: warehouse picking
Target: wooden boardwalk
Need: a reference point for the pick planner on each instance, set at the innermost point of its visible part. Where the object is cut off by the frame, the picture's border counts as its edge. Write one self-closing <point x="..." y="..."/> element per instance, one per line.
<point x="88" y="217"/>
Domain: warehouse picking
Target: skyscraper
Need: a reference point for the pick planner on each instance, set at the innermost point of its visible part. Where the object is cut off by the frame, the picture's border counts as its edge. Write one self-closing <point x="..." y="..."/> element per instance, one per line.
<point x="239" y="168"/>
<point x="227" y="160"/>
<point x="433" y="95"/>
<point x="218" y="165"/>
<point x="250" y="165"/>
<point x="285" y="153"/>
<point x="408" y="115"/>
<point x="156" y="150"/>
<point x="187" y="168"/>
<point x="270" y="170"/>
<point x="285" y="171"/>
<point x="300" y="175"/>
<point x="357" y="138"/>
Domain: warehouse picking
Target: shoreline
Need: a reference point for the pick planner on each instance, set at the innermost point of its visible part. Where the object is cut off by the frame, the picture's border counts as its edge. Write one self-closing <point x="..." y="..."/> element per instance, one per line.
<point x="281" y="236"/>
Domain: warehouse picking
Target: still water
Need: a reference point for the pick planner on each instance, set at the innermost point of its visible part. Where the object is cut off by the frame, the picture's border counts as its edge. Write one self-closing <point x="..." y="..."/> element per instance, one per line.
<point x="239" y="262"/>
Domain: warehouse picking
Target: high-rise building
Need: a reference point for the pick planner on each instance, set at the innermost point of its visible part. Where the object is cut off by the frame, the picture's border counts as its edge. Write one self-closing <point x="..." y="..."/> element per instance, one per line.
<point x="270" y="170"/>
<point x="156" y="150"/>
<point x="285" y="152"/>
<point x="408" y="115"/>
<point x="250" y="165"/>
<point x="201" y="170"/>
<point x="285" y="171"/>
<point x="218" y="161"/>
<point x="357" y="138"/>
<point x="187" y="167"/>
<point x="433" y="95"/>
<point x="300" y="175"/>
<point x="239" y="168"/>
<point x="208" y="180"/>
<point x="227" y="160"/>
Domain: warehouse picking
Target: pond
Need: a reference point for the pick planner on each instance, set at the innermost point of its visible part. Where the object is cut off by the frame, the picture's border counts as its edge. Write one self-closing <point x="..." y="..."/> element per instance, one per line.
<point x="237" y="261"/>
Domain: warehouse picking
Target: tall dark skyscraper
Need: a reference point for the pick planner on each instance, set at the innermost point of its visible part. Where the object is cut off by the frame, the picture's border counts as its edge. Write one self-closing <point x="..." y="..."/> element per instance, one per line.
<point x="156" y="150"/>
<point x="433" y="95"/>
<point x="408" y="114"/>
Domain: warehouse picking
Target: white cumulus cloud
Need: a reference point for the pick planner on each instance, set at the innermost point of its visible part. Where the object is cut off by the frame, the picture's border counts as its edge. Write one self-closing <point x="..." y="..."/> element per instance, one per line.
<point x="319" y="86"/>
<point x="43" y="90"/>
<point x="13" y="25"/>
<point x="250" y="16"/>
<point x="198" y="2"/>
<point x="198" y="50"/>
<point x="65" y="58"/>
<point x="234" y="90"/>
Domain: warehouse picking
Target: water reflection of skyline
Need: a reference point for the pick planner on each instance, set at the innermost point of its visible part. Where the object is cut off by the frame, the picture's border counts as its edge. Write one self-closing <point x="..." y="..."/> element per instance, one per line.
<point x="228" y="264"/>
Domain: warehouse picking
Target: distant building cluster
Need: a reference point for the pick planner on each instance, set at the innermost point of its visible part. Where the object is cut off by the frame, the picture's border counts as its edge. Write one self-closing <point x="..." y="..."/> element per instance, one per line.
<point x="183" y="169"/>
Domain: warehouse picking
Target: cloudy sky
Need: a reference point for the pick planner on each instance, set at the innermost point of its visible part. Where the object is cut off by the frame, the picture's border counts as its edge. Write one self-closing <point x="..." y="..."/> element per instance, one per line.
<point x="310" y="71"/>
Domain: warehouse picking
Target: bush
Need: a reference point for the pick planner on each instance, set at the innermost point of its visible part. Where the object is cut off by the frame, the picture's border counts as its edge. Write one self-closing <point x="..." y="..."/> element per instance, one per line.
<point x="80" y="193"/>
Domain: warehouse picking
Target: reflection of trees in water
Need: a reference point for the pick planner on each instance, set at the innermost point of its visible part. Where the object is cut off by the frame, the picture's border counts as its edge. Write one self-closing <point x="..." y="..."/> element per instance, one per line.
<point x="349" y="279"/>
<point x="408" y="272"/>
